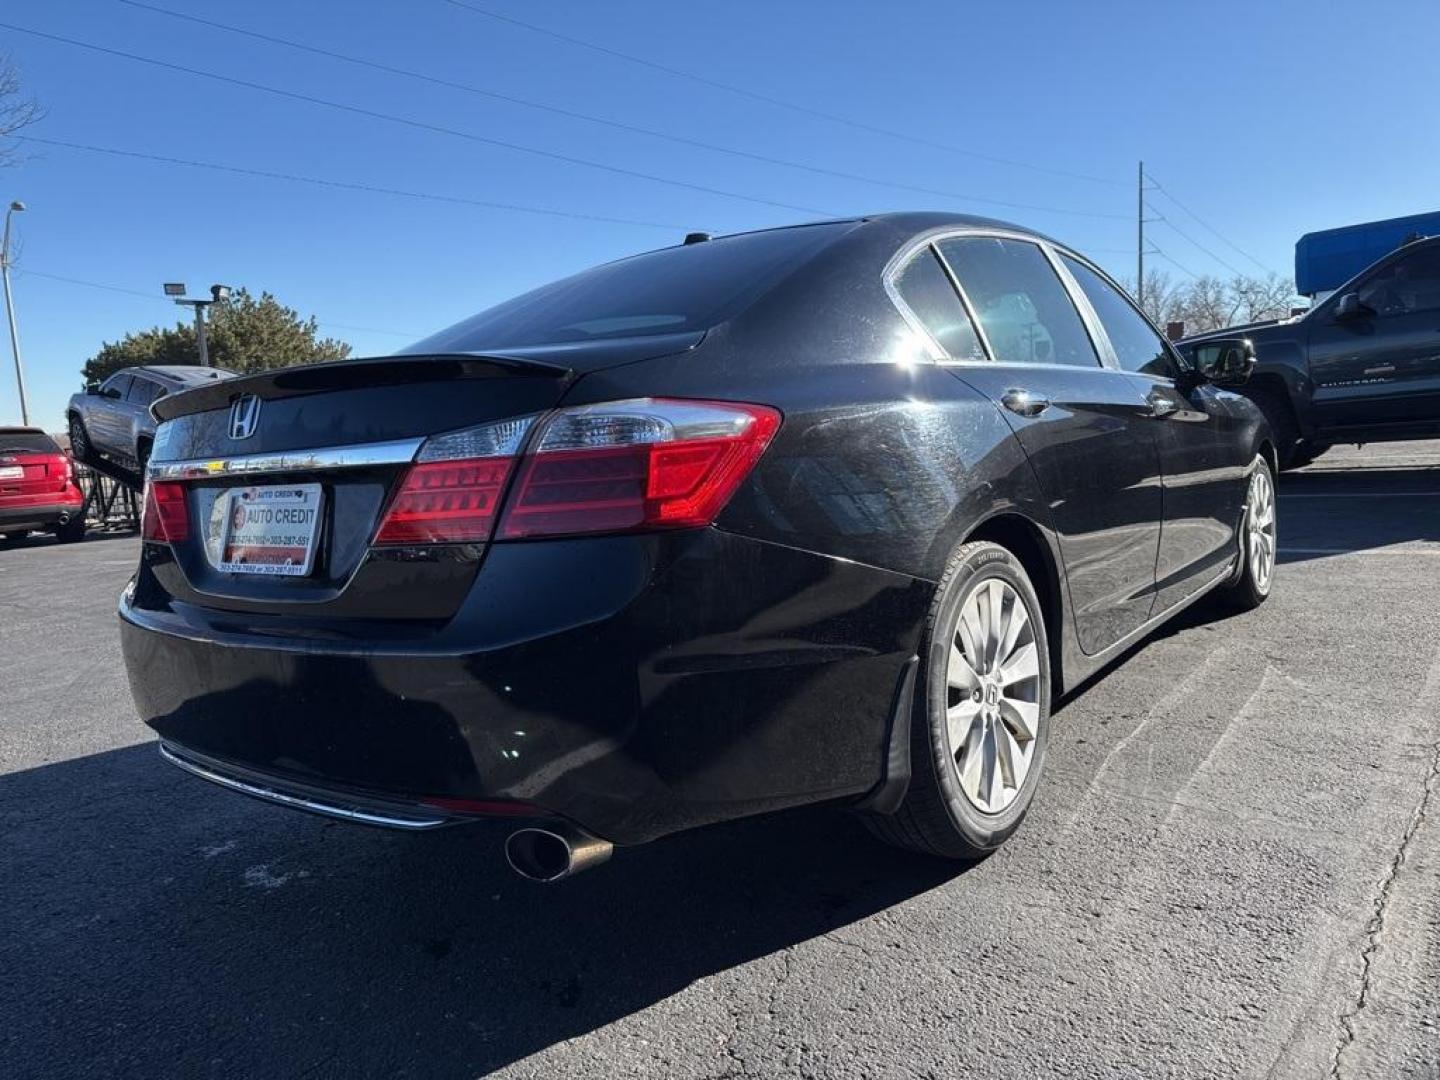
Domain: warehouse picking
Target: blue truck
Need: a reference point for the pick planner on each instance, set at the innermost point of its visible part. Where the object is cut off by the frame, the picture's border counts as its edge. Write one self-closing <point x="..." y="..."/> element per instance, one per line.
<point x="1363" y="364"/>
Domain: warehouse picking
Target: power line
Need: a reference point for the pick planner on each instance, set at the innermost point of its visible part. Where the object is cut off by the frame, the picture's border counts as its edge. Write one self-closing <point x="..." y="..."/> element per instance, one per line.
<point x="350" y="185"/>
<point x="682" y="140"/>
<point x="778" y="102"/>
<point x="1178" y="266"/>
<point x="417" y="124"/>
<point x="166" y="300"/>
<point x="1196" y="243"/>
<point x="1208" y="227"/>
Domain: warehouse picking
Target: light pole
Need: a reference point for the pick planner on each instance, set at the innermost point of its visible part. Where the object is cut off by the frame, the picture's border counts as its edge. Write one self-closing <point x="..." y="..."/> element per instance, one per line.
<point x="10" y="312"/>
<point x="218" y="295"/>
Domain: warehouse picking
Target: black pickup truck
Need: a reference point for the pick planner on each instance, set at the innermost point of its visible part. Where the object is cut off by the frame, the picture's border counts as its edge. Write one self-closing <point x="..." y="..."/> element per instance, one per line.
<point x="1361" y="366"/>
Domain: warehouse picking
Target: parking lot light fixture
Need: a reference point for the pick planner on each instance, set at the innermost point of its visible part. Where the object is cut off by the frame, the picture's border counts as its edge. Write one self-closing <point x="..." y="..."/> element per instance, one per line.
<point x="219" y="294"/>
<point x="15" y="207"/>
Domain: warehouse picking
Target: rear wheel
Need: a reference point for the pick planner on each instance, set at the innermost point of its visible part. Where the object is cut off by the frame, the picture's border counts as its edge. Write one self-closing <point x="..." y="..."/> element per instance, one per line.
<point x="80" y="448"/>
<point x="982" y="715"/>
<point x="1257" y="541"/>
<point x="71" y="531"/>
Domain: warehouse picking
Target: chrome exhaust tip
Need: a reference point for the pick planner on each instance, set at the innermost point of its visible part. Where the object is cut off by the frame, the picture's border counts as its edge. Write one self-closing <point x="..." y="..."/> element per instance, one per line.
<point x="64" y="520"/>
<point x="552" y="854"/>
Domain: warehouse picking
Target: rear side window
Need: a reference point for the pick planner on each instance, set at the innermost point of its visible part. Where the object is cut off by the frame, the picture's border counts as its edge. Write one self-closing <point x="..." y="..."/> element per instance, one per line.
<point x="1138" y="347"/>
<point x="1017" y="296"/>
<point x="143" y="391"/>
<point x="680" y="289"/>
<point x="927" y="292"/>
<point x="27" y="442"/>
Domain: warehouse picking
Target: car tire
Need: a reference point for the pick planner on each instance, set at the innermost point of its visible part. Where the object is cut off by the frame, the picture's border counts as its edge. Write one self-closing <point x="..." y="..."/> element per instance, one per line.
<point x="81" y="448"/>
<point x="142" y="455"/>
<point x="941" y="814"/>
<point x="1257" y="542"/>
<point x="72" y="531"/>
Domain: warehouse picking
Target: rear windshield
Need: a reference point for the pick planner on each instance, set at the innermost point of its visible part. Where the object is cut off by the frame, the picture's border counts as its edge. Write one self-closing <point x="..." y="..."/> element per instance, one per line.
<point x="34" y="442"/>
<point x="677" y="290"/>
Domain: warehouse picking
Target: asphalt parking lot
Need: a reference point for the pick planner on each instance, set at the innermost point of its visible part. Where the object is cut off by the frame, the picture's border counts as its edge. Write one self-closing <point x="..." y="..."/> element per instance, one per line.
<point x="1230" y="870"/>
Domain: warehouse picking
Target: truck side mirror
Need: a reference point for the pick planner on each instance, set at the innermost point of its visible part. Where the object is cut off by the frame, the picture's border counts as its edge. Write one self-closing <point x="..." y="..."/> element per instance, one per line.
<point x="1226" y="362"/>
<point x="1350" y="306"/>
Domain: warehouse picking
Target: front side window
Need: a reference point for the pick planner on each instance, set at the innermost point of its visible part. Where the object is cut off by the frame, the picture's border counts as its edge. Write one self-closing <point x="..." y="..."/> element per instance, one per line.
<point x="1410" y="284"/>
<point x="1138" y="347"/>
<point x="1024" y="309"/>
<point x="927" y="291"/>
<point x="116" y="386"/>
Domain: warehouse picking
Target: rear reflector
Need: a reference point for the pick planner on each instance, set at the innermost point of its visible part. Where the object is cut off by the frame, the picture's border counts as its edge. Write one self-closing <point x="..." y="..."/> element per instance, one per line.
<point x="166" y="516"/>
<point x="649" y="463"/>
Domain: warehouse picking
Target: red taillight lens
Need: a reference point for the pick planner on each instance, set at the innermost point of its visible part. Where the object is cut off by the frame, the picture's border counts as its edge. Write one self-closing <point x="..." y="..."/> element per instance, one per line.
<point x="446" y="502"/>
<point x="166" y="516"/>
<point x="452" y="494"/>
<point x="642" y="464"/>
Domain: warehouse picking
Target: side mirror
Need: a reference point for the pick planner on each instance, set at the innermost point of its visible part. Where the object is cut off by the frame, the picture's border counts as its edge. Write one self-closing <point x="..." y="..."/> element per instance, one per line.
<point x="111" y="393"/>
<point x="1226" y="362"/>
<point x="1350" y="306"/>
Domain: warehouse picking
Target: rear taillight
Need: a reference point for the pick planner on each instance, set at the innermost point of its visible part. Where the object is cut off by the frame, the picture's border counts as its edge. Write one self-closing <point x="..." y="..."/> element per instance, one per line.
<point x="649" y="463"/>
<point x="453" y="491"/>
<point x="166" y="516"/>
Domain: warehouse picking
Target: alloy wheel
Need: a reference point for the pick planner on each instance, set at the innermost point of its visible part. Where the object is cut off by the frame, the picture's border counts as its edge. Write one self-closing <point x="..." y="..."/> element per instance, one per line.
<point x="79" y="444"/>
<point x="992" y="703"/>
<point x="1260" y="529"/>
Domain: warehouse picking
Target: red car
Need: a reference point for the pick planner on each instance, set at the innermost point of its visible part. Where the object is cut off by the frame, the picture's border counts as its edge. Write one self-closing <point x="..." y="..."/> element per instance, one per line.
<point x="38" y="492"/>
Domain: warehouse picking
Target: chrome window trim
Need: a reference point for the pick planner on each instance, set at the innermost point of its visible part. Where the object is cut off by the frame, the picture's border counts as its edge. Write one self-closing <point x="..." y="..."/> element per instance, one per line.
<point x="931" y="238"/>
<point x="362" y="455"/>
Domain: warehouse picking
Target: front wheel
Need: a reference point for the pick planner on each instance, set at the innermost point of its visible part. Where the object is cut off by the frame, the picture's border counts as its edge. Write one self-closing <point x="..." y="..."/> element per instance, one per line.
<point x="982" y="716"/>
<point x="1257" y="540"/>
<point x="80" y="448"/>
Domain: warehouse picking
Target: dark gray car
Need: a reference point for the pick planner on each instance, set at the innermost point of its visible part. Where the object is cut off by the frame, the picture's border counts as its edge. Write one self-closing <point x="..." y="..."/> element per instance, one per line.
<point x="114" y="418"/>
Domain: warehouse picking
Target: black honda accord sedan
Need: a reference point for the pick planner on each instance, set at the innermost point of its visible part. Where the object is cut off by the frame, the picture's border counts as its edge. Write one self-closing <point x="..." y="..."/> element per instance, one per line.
<point x="829" y="513"/>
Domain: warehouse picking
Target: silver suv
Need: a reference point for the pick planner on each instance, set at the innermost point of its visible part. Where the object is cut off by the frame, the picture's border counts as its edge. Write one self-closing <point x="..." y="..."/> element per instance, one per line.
<point x="114" y="418"/>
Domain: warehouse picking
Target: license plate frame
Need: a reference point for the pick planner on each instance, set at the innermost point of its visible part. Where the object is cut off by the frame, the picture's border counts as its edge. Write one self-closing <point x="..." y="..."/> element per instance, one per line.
<point x="12" y="472"/>
<point x="244" y="537"/>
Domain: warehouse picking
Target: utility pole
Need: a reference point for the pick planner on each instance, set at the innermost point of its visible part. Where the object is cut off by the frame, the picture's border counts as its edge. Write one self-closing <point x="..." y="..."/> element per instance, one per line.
<point x="10" y="313"/>
<point x="218" y="295"/>
<point x="1140" y="241"/>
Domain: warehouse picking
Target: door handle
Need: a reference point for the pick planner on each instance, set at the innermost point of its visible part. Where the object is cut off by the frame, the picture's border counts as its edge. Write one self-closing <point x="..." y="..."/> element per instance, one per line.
<point x="1160" y="405"/>
<point x="1024" y="402"/>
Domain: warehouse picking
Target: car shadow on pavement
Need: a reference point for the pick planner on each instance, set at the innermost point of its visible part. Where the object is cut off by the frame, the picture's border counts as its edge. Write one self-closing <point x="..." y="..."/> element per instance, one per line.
<point x="1325" y="512"/>
<point x="153" y="925"/>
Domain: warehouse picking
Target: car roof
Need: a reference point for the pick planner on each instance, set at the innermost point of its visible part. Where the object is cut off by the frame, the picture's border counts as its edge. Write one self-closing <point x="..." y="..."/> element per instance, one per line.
<point x="188" y="374"/>
<point x="17" y="429"/>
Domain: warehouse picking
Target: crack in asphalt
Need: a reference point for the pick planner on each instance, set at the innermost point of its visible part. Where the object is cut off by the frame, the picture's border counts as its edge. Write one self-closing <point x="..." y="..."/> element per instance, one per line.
<point x="1375" y="928"/>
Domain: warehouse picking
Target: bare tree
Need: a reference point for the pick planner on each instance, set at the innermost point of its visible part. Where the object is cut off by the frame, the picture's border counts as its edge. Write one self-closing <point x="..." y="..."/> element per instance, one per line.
<point x="16" y="110"/>
<point x="1207" y="303"/>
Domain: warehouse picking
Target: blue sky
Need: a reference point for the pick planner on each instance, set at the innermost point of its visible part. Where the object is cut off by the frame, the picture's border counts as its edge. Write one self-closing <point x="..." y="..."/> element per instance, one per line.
<point x="1266" y="119"/>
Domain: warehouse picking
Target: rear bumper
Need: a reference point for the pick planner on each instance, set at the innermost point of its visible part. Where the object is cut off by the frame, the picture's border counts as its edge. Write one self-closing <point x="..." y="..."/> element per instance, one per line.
<point x="26" y="516"/>
<point x="634" y="686"/>
<point x="356" y="808"/>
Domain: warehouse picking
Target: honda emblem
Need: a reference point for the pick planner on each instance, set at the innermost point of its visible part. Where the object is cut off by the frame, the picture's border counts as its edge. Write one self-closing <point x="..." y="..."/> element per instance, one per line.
<point x="244" y="416"/>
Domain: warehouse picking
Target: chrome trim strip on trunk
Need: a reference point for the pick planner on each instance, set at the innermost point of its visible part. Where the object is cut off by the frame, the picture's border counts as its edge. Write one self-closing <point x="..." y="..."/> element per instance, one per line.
<point x="399" y="452"/>
<point x="344" y="813"/>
